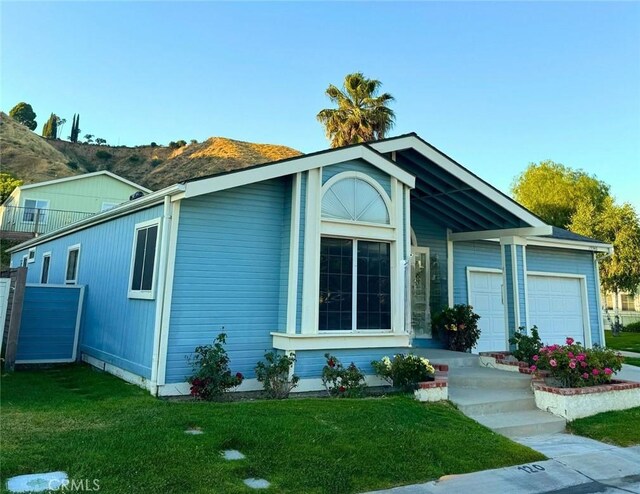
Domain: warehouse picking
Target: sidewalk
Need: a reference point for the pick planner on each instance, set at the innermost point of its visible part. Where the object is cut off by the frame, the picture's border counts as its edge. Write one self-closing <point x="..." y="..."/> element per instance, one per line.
<point x="577" y="465"/>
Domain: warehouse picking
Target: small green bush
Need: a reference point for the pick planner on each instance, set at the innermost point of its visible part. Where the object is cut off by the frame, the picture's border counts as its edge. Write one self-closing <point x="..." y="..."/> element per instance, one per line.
<point x="632" y="327"/>
<point x="103" y="155"/>
<point x="340" y="381"/>
<point x="134" y="158"/>
<point x="526" y="346"/>
<point x="404" y="371"/>
<point x="72" y="164"/>
<point x="211" y="375"/>
<point x="155" y="162"/>
<point x="274" y="375"/>
<point x="154" y="145"/>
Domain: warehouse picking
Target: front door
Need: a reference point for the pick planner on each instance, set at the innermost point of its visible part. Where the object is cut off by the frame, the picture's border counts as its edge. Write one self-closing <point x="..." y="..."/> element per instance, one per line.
<point x="485" y="296"/>
<point x="420" y="280"/>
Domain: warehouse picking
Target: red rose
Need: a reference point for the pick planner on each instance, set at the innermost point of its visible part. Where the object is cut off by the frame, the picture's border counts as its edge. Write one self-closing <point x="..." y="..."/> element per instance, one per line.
<point x="342" y="389"/>
<point x="331" y="363"/>
<point x="239" y="376"/>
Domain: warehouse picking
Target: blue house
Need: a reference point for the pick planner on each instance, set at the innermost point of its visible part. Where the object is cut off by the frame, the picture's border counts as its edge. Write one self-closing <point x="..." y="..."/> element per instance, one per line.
<point x="347" y="251"/>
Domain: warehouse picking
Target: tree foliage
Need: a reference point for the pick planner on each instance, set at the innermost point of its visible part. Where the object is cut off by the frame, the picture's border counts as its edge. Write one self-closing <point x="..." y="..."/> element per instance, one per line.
<point x="618" y="225"/>
<point x="554" y="191"/>
<point x="7" y="183"/>
<point x="50" y="127"/>
<point x="24" y="114"/>
<point x="361" y="114"/>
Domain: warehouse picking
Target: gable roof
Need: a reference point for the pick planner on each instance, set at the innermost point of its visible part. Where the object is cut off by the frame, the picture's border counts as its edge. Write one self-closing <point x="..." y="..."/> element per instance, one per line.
<point x="84" y="176"/>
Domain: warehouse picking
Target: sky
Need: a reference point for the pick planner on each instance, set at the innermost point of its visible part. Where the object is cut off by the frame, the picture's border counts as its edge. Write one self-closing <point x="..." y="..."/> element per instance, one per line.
<point x="495" y="85"/>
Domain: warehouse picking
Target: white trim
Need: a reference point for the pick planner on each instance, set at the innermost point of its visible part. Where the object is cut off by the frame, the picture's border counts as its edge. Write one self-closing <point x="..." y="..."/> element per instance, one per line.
<point x="31" y="258"/>
<point x="367" y="179"/>
<point x="296" y="165"/>
<point x="76" y="335"/>
<point x="109" y="204"/>
<point x="516" y="288"/>
<point x="85" y="175"/>
<point x="449" y="269"/>
<point x="45" y="254"/>
<point x="505" y="300"/>
<point x="570" y="244"/>
<point x="25" y="261"/>
<point x="596" y="266"/>
<point x="357" y="230"/>
<point x="5" y="284"/>
<point x="294" y="249"/>
<point x="473" y="269"/>
<point x="458" y="171"/>
<point x="145" y="294"/>
<point x="73" y="281"/>
<point x="526" y="287"/>
<point x="409" y="311"/>
<point x="507" y="232"/>
<point x="340" y="340"/>
<point x="407" y="257"/>
<point x="125" y="375"/>
<point x="311" y="271"/>
<point x="397" y="260"/>
<point x="123" y="209"/>
<point x="162" y="279"/>
<point x="168" y="293"/>
<point x="586" y="322"/>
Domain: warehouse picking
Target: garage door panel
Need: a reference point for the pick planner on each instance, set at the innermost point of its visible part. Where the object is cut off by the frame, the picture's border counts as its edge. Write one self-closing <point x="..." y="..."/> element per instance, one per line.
<point x="485" y="295"/>
<point x="556" y="308"/>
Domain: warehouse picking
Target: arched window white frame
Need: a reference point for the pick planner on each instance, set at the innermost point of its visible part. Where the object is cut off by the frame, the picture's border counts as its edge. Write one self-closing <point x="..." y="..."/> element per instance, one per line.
<point x="356" y="198"/>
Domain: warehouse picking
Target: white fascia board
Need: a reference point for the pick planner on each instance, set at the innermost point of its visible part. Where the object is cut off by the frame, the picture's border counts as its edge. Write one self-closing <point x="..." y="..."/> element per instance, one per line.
<point x="571" y="244"/>
<point x="121" y="210"/>
<point x="296" y="165"/>
<point x="320" y="341"/>
<point x="87" y="175"/>
<point x="506" y="232"/>
<point x="458" y="171"/>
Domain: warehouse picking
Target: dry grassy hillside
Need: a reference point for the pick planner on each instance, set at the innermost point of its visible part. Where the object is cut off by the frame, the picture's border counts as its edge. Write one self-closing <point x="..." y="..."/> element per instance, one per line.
<point x="34" y="159"/>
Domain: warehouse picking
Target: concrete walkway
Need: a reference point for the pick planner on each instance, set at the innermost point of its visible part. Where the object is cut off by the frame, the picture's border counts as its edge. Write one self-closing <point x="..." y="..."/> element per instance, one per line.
<point x="577" y="465"/>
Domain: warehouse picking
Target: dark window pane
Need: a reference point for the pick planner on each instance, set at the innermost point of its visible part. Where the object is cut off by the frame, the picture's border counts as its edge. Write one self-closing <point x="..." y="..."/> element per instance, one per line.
<point x="149" y="258"/>
<point x="374" y="287"/>
<point x="45" y="269"/>
<point x="72" y="265"/>
<point x="138" y="261"/>
<point x="335" y="284"/>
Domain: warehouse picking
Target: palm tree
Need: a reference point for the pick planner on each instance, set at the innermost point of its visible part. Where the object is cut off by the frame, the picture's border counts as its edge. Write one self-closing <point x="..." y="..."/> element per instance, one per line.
<point x="361" y="115"/>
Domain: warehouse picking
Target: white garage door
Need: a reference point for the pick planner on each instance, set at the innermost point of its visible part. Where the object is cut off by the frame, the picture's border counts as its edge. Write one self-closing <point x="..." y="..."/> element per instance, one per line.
<point x="485" y="295"/>
<point x="556" y="307"/>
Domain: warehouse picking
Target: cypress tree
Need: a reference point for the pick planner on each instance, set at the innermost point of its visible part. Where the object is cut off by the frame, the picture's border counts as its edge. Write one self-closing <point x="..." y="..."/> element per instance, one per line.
<point x="50" y="128"/>
<point x="75" y="130"/>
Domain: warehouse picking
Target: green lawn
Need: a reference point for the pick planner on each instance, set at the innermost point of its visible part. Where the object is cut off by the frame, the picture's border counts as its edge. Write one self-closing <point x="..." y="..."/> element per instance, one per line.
<point x="619" y="427"/>
<point x="625" y="341"/>
<point x="95" y="426"/>
<point x="632" y="361"/>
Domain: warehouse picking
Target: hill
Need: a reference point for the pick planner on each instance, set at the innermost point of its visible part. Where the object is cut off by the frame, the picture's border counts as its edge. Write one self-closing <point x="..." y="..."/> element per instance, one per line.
<point x="35" y="159"/>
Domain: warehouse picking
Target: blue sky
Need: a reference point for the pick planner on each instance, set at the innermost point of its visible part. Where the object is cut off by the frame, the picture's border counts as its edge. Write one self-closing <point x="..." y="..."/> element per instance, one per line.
<point x="494" y="85"/>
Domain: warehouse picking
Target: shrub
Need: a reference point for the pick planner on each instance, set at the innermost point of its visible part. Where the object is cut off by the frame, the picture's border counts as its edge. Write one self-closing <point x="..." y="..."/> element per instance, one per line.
<point x="526" y="346"/>
<point x="274" y="375"/>
<point x="404" y="371"/>
<point x="103" y="155"/>
<point x="193" y="141"/>
<point x="155" y="162"/>
<point x="340" y="381"/>
<point x="211" y="375"/>
<point x="134" y="158"/>
<point x="72" y="164"/>
<point x="154" y="145"/>
<point x="574" y="366"/>
<point x="632" y="327"/>
<point x="458" y="327"/>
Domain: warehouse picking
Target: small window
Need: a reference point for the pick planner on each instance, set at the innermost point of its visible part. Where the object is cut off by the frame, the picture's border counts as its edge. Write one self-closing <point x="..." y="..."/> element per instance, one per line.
<point x="25" y="260"/>
<point x="73" y="262"/>
<point x="354" y="199"/>
<point x="46" y="262"/>
<point x="626" y="302"/>
<point x="143" y="262"/>
<point x="106" y="206"/>
<point x="32" y="255"/>
<point x="35" y="209"/>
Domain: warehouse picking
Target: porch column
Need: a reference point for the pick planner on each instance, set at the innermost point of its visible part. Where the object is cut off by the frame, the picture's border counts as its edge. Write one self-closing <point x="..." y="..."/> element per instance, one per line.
<point x="514" y="282"/>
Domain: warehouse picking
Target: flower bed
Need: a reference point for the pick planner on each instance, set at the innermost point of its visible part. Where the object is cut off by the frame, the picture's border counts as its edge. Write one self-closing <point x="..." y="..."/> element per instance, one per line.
<point x="437" y="389"/>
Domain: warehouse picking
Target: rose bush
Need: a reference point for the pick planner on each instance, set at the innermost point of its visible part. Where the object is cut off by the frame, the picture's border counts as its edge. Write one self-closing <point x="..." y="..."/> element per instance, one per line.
<point x="458" y="327"/>
<point x="340" y="381"/>
<point x="404" y="371"/>
<point x="574" y="366"/>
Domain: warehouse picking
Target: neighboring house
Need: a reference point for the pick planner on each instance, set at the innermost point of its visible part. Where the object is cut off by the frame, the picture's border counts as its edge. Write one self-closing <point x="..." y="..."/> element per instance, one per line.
<point x="625" y="305"/>
<point x="347" y="251"/>
<point x="47" y="206"/>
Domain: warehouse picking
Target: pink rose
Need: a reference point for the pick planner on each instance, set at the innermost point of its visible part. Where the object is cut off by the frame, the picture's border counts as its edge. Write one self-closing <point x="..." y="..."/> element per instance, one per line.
<point x="536" y="358"/>
<point x="583" y="364"/>
<point x="581" y="357"/>
<point x="572" y="364"/>
<point x="570" y="354"/>
<point x="553" y="362"/>
<point x="585" y="376"/>
<point x="533" y="367"/>
<point x="608" y="371"/>
<point x="570" y="341"/>
<point x="595" y="372"/>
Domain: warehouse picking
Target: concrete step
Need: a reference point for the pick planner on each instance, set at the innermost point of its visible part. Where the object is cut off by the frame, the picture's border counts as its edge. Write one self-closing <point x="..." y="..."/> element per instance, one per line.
<point x="485" y="401"/>
<point x="522" y="423"/>
<point x="447" y="357"/>
<point x="478" y="377"/>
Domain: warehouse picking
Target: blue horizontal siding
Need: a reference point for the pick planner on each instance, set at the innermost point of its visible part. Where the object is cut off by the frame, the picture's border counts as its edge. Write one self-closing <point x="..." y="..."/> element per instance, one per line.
<point x="573" y="262"/>
<point x="229" y="274"/>
<point x="115" y="329"/>
<point x="48" y="324"/>
<point x="472" y="254"/>
<point x="508" y="277"/>
<point x="358" y="166"/>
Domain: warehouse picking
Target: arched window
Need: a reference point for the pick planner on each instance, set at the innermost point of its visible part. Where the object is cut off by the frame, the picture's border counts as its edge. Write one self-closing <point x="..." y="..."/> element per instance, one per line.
<point x="354" y="199"/>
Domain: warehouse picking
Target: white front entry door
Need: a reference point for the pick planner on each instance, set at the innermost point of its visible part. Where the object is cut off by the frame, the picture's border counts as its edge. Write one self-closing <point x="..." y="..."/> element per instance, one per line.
<point x="556" y="306"/>
<point x="485" y="296"/>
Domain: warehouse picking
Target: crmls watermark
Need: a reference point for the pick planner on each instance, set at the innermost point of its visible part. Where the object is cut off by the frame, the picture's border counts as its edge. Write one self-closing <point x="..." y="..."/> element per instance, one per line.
<point x="74" y="485"/>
